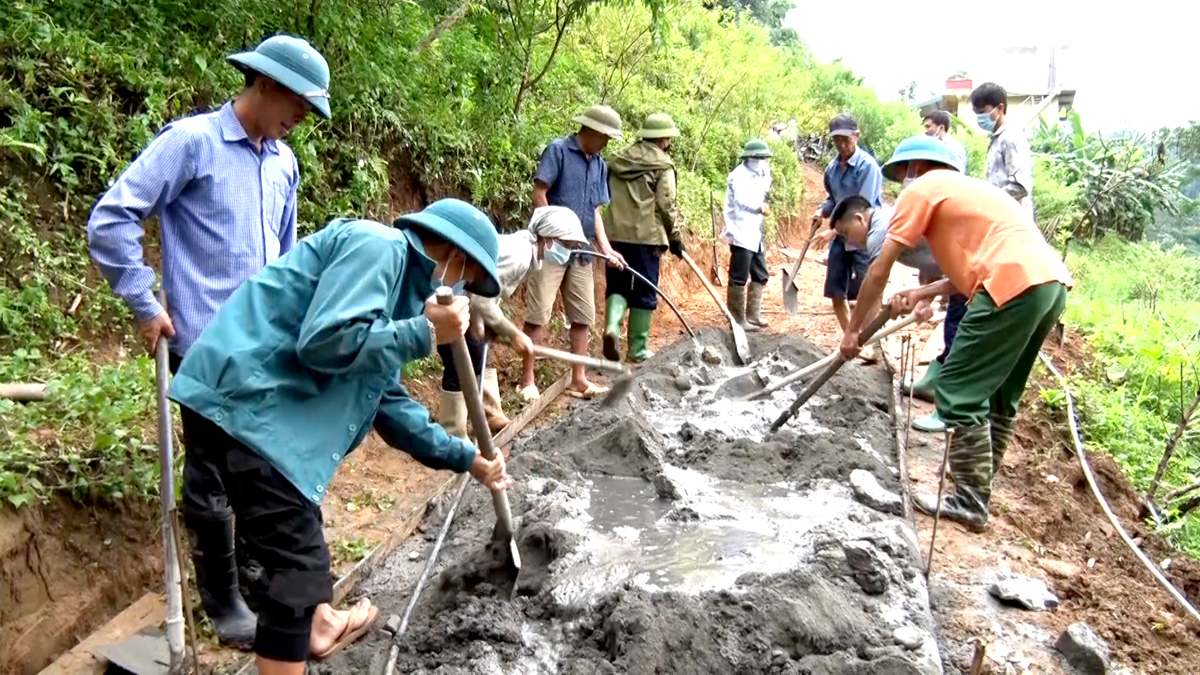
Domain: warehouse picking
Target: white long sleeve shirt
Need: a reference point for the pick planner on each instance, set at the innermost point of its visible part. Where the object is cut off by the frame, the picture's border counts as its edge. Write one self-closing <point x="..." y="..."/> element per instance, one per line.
<point x="745" y="194"/>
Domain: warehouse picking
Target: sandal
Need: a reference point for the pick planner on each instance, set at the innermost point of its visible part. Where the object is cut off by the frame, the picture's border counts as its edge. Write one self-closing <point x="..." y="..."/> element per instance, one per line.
<point x="592" y="392"/>
<point x="362" y="616"/>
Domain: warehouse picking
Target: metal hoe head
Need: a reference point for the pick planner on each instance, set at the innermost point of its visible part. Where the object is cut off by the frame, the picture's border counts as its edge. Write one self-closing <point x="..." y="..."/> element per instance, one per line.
<point x="791" y="295"/>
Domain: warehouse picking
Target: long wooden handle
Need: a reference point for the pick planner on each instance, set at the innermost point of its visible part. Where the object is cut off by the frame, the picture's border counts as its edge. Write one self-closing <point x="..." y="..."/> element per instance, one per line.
<point x="568" y="357"/>
<point x="711" y="291"/>
<point x="483" y="434"/>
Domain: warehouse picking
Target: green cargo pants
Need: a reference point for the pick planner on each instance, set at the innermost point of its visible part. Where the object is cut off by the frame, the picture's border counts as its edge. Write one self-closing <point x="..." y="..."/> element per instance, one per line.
<point x="994" y="351"/>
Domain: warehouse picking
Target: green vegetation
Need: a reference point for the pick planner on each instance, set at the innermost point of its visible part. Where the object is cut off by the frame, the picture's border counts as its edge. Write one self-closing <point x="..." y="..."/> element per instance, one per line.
<point x="85" y="84"/>
<point x="1139" y="306"/>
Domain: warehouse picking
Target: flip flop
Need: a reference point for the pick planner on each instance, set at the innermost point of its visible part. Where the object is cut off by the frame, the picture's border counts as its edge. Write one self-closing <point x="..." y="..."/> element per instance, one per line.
<point x="365" y="614"/>
<point x="592" y="392"/>
<point x="529" y="394"/>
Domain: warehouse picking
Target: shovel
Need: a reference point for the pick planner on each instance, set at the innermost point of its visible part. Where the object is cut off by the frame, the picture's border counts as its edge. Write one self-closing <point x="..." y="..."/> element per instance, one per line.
<point x="831" y="370"/>
<point x="740" y="344"/>
<point x="714" y="273"/>
<point x="504" y="542"/>
<point x="621" y="385"/>
<point x="791" y="303"/>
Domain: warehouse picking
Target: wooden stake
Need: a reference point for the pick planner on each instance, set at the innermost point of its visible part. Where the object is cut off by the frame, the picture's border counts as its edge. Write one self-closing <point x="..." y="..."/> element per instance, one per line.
<point x="23" y="392"/>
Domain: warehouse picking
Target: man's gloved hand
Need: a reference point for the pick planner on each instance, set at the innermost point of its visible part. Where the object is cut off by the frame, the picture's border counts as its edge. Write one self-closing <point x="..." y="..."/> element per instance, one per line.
<point x="676" y="247"/>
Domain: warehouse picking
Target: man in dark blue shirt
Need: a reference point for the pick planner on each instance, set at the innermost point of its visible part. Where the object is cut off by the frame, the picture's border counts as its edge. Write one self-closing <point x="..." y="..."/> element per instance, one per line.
<point x="572" y="173"/>
<point x="852" y="172"/>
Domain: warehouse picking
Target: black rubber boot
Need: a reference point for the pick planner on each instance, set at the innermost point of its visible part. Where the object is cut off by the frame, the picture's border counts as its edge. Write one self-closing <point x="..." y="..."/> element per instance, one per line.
<point x="211" y="538"/>
<point x="1002" y="433"/>
<point x="971" y="468"/>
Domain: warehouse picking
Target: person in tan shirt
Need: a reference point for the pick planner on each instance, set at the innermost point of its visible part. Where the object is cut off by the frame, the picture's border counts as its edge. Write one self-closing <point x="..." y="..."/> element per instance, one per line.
<point x="991" y="252"/>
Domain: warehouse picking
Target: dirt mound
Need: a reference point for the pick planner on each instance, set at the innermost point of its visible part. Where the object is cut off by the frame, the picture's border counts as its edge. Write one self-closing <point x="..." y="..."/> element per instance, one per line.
<point x="672" y="533"/>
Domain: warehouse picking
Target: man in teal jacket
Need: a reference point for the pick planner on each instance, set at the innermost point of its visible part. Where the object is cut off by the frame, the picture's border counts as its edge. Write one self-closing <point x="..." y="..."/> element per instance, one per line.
<point x="296" y="368"/>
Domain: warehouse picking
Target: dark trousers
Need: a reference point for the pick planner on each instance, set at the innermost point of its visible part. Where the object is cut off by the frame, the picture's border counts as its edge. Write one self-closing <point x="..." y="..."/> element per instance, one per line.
<point x="450" y="381"/>
<point x="643" y="259"/>
<point x="746" y="265"/>
<point x="845" y="271"/>
<point x="280" y="531"/>
<point x="956" y="309"/>
<point x="203" y="493"/>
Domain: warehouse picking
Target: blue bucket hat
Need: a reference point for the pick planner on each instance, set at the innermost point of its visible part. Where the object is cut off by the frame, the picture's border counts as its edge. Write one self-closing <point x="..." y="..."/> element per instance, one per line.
<point x="466" y="228"/>
<point x="928" y="148"/>
<point x="294" y="64"/>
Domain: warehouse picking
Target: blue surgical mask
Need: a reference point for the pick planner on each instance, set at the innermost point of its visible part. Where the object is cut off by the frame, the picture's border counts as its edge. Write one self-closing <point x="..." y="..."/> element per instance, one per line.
<point x="986" y="122"/>
<point x="558" y="254"/>
<point x="458" y="287"/>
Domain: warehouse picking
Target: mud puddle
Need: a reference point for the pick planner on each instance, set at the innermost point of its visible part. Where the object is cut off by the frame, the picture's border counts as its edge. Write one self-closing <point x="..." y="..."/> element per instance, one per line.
<point x="673" y="534"/>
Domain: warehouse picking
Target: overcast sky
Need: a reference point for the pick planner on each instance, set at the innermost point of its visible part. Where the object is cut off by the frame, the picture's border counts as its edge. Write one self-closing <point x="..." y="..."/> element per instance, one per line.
<point x="1136" y="67"/>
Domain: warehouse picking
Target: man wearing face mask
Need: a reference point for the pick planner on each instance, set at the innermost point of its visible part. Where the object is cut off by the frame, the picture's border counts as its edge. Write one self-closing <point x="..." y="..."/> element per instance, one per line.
<point x="300" y="363"/>
<point x="991" y="251"/>
<point x="1009" y="160"/>
<point x="852" y="172"/>
<point x="553" y="232"/>
<point x="641" y="225"/>
<point x="223" y="185"/>
<point x="746" y="208"/>
<point x="572" y="173"/>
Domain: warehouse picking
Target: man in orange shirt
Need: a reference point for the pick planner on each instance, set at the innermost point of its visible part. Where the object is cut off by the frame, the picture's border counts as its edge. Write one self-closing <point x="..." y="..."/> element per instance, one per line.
<point x="992" y="252"/>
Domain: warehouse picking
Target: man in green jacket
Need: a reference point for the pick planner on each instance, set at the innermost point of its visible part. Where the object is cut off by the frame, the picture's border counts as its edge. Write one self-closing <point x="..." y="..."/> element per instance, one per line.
<point x="640" y="226"/>
<point x="297" y="367"/>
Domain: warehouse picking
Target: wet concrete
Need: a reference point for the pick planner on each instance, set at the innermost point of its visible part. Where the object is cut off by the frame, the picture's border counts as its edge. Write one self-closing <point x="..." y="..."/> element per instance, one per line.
<point x="672" y="533"/>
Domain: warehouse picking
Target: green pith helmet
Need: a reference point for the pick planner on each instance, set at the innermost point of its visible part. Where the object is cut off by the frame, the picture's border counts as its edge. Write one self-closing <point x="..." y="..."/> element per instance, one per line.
<point x="603" y="119"/>
<point x="658" y="125"/>
<point x="756" y="148"/>
<point x="294" y="64"/>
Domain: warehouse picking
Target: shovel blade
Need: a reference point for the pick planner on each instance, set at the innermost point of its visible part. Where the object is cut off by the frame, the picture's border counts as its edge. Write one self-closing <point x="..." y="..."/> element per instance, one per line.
<point x="791" y="297"/>
<point x="505" y="569"/>
<point x="741" y="345"/>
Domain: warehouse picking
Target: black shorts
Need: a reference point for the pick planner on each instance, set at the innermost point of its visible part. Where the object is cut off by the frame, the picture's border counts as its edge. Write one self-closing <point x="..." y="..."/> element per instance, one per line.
<point x="281" y="533"/>
<point x="643" y="259"/>
<point x="845" y="272"/>
<point x="450" y="381"/>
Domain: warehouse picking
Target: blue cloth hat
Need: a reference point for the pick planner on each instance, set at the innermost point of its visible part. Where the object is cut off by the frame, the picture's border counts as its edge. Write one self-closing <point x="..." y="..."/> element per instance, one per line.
<point x="928" y="148"/>
<point x="294" y="64"/>
<point x="466" y="228"/>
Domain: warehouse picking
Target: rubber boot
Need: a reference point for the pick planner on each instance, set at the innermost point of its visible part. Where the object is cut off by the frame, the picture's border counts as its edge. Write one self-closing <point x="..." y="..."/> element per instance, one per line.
<point x="639" y="335"/>
<point x="496" y="419"/>
<point x="754" y="305"/>
<point x="735" y="300"/>
<point x="1002" y="433"/>
<point x="211" y="539"/>
<point x="971" y="468"/>
<point x="614" y="312"/>
<point x="930" y="424"/>
<point x="452" y="413"/>
<point x="924" y="387"/>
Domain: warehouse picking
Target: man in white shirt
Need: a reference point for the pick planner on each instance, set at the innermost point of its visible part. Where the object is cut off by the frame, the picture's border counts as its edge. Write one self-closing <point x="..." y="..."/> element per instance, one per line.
<point x="745" y="208"/>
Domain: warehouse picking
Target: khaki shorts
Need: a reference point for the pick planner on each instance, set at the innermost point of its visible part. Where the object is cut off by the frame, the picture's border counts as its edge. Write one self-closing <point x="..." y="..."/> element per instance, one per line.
<point x="578" y="291"/>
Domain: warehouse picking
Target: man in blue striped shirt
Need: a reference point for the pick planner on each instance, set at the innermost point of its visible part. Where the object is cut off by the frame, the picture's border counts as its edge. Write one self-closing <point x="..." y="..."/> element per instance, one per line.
<point x="223" y="185"/>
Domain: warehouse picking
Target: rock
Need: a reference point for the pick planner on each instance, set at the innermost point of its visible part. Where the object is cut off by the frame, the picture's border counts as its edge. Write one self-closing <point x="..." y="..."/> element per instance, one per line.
<point x="393" y="624"/>
<point x="1024" y="592"/>
<point x="683" y="383"/>
<point x="1060" y="569"/>
<point x="868" y="491"/>
<point x="711" y="355"/>
<point x="866" y="566"/>
<point x="909" y="637"/>
<point x="665" y="487"/>
<point x="683" y="514"/>
<point x="414" y="555"/>
<point x="1084" y="649"/>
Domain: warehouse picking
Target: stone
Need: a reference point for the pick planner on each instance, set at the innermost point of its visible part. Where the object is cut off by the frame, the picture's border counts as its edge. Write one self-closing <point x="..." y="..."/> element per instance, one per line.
<point x="1025" y="592"/>
<point x="393" y="624"/>
<point x="869" y="492"/>
<point x="866" y="566"/>
<point x="909" y="637"/>
<point x="1084" y="650"/>
<point x="711" y="355"/>
<point x="1060" y="569"/>
<point x="665" y="487"/>
<point x="683" y="383"/>
<point x="414" y="555"/>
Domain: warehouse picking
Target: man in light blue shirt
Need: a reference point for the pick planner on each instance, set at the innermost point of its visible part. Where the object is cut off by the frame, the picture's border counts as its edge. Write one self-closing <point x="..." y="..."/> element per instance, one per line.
<point x="852" y="172"/>
<point x="223" y="185"/>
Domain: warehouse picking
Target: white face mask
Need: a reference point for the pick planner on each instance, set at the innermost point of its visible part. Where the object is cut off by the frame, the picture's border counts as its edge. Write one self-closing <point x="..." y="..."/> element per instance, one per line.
<point x="907" y="181"/>
<point x="458" y="287"/>
<point x="758" y="164"/>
